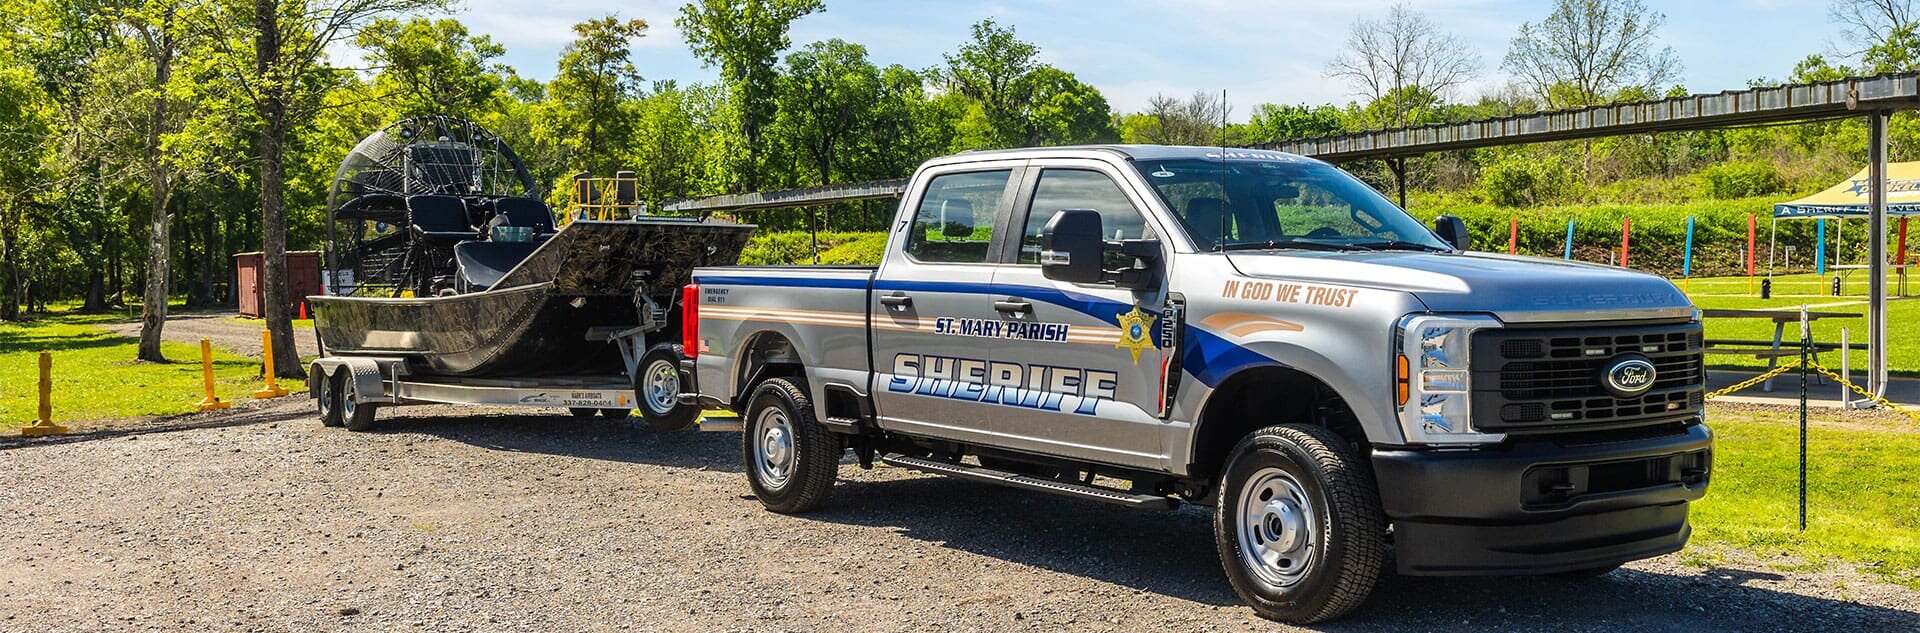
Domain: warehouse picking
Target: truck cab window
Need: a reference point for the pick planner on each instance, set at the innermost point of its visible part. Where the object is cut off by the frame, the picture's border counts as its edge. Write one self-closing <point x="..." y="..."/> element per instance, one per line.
<point x="1061" y="189"/>
<point x="954" y="223"/>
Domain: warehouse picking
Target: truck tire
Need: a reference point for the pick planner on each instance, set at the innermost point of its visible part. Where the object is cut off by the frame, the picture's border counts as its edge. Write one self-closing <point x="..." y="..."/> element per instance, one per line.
<point x="792" y="460"/>
<point x="1298" y="524"/>
<point x="326" y="397"/>
<point x="583" y="412"/>
<point x="356" y="416"/>
<point x="656" y="385"/>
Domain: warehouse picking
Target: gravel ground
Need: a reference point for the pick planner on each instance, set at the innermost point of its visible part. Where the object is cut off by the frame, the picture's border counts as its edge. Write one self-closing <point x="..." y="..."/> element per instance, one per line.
<point x="240" y="338"/>
<point x="262" y="520"/>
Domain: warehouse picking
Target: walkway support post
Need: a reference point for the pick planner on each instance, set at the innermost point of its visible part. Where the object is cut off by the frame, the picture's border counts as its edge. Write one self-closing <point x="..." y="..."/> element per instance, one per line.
<point x="1877" y="252"/>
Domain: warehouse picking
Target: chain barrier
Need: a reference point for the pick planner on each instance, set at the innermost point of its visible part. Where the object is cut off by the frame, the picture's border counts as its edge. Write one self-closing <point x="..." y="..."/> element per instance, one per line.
<point x="1776" y="371"/>
<point x="1877" y="400"/>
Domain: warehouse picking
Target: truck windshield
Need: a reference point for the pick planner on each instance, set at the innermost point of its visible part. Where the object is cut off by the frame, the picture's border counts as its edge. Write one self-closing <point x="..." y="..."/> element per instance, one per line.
<point x="1281" y="202"/>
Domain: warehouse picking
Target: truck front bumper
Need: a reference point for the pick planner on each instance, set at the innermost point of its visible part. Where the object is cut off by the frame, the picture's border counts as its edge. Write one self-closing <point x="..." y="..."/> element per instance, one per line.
<point x="1542" y="506"/>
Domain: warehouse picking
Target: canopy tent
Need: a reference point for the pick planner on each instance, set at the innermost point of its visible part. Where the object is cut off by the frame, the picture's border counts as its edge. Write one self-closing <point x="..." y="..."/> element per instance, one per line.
<point x="1848" y="199"/>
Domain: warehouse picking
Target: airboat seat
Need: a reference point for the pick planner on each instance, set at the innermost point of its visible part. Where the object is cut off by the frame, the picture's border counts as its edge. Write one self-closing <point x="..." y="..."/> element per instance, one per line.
<point x="526" y="212"/>
<point x="440" y="220"/>
<point x="482" y="264"/>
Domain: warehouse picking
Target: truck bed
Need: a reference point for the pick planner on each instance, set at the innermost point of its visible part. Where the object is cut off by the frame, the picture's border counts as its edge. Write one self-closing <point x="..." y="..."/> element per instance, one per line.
<point x="816" y="314"/>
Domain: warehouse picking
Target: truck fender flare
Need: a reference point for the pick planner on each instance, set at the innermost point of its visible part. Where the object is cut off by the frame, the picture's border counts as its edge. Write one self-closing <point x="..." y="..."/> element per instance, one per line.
<point x="748" y="369"/>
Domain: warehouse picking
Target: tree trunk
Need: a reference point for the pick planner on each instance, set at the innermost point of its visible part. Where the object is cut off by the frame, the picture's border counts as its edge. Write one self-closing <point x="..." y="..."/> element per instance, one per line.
<point x="273" y="216"/>
<point x="153" y="312"/>
<point x="9" y="301"/>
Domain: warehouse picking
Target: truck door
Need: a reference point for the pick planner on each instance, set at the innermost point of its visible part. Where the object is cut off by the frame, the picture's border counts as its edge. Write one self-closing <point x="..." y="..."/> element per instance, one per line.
<point x="932" y="317"/>
<point x="1092" y="350"/>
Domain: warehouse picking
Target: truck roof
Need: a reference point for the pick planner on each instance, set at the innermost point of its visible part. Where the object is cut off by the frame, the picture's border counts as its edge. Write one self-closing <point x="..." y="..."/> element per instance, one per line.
<point x="1144" y="152"/>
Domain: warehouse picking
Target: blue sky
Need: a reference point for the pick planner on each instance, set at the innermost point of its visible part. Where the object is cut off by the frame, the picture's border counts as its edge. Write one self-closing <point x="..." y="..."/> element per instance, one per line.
<point x="1258" y="51"/>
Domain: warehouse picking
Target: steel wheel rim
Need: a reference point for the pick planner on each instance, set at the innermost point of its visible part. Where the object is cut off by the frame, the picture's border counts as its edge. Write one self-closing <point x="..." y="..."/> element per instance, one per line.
<point x="773" y="453"/>
<point x="1277" y="528"/>
<point x="661" y="387"/>
<point x="346" y="397"/>
<point x="325" y="397"/>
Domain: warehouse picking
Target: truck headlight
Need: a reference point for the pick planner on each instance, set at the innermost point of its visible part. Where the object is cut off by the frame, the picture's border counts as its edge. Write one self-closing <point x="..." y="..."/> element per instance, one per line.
<point x="1433" y="387"/>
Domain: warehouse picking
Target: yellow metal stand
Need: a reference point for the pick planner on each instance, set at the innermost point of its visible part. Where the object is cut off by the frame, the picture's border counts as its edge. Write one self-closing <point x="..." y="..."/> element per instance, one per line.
<point x="44" y="425"/>
<point x="273" y="389"/>
<point x="211" y="402"/>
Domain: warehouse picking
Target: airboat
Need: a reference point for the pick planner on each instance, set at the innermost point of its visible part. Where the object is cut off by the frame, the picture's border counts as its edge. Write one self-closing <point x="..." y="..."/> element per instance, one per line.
<point x="448" y="279"/>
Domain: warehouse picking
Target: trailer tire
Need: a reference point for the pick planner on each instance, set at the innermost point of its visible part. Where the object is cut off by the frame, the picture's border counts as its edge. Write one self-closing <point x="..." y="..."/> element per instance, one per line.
<point x="792" y="459"/>
<point x="656" y="385"/>
<point x="356" y="416"/>
<point x="582" y="412"/>
<point x="326" y="397"/>
<point x="1298" y="524"/>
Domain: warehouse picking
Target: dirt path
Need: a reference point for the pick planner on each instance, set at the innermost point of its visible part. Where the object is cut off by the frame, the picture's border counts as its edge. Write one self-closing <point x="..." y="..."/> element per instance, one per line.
<point x="546" y="523"/>
<point x="223" y="329"/>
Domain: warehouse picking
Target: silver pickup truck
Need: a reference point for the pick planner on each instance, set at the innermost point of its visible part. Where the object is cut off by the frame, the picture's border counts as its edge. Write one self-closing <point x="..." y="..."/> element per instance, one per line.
<point x="1249" y="330"/>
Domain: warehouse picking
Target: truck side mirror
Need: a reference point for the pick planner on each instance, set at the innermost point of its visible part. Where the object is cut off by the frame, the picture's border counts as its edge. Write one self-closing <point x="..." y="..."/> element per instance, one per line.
<point x="1071" y="247"/>
<point x="1453" y="230"/>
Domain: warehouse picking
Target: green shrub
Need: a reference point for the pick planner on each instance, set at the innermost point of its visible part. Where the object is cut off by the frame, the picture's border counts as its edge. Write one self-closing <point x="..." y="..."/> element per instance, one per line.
<point x="796" y="247"/>
<point x="1739" y="179"/>
<point x="1519" y="180"/>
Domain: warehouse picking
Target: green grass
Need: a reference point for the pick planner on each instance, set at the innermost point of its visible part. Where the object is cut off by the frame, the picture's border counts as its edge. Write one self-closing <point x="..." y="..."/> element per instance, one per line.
<point x="1863" y="492"/>
<point x="96" y="378"/>
<point x="1789" y="293"/>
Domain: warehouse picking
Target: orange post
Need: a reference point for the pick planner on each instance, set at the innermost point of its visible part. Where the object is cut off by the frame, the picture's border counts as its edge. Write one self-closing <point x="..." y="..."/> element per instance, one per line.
<point x="273" y="389"/>
<point x="1752" y="241"/>
<point x="1513" y="236"/>
<point x="44" y="424"/>
<point x="1626" y="232"/>
<point x="210" y="402"/>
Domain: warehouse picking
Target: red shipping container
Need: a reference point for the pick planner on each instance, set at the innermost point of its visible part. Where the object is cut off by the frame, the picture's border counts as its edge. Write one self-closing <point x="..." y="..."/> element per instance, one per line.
<point x="303" y="280"/>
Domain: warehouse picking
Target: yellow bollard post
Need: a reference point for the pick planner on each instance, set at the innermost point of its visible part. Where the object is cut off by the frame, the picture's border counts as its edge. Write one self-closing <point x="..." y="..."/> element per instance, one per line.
<point x="211" y="402"/>
<point x="45" y="425"/>
<point x="273" y="388"/>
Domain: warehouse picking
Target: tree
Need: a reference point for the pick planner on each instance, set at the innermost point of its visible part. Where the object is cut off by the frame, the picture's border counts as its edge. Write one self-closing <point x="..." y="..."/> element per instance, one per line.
<point x="1066" y="111"/>
<point x="1866" y="25"/>
<point x="1586" y="51"/>
<point x="1281" y="122"/>
<point x="431" y="66"/>
<point x="826" y="95"/>
<point x="278" y="70"/>
<point x="596" y="77"/>
<point x="994" y="71"/>
<point x="666" y="145"/>
<point x="744" y="38"/>
<point x="25" y="126"/>
<point x="1196" y="120"/>
<point x="1399" y="55"/>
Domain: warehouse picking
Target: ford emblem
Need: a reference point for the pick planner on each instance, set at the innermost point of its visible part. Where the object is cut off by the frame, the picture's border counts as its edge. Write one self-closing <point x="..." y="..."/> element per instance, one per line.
<point x="1630" y="376"/>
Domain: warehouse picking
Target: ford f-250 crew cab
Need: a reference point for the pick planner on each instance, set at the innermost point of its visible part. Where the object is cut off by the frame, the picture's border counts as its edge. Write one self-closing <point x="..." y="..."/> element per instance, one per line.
<point x="1250" y="330"/>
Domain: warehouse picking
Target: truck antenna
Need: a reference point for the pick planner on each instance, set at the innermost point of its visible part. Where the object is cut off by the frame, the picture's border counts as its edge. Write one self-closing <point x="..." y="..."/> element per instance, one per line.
<point x="1220" y="243"/>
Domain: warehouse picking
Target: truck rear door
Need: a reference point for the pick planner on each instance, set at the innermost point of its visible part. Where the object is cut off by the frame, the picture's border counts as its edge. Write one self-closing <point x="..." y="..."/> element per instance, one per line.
<point x="1094" y="349"/>
<point x="932" y="316"/>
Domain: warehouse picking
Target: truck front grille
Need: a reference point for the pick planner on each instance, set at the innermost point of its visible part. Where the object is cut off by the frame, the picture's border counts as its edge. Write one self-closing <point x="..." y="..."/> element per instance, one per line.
<point x="1541" y="379"/>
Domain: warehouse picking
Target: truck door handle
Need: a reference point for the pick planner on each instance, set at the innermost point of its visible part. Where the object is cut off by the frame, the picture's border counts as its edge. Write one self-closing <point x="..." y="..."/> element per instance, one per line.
<point x="1015" y="306"/>
<point x="897" y="302"/>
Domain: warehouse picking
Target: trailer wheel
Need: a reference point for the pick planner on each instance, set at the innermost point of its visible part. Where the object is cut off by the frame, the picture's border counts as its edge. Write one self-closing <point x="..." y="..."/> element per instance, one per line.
<point x="656" y="384"/>
<point x="1298" y="524"/>
<point x="356" y="416"/>
<point x="580" y="412"/>
<point x="791" y="458"/>
<point x="326" y="397"/>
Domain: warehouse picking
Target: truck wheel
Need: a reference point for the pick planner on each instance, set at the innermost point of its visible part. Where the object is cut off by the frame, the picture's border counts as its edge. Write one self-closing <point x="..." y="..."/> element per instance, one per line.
<point x="656" y="384"/>
<point x="791" y="458"/>
<point x="1298" y="524"/>
<point x="579" y="412"/>
<point x="326" y="397"/>
<point x="356" y="416"/>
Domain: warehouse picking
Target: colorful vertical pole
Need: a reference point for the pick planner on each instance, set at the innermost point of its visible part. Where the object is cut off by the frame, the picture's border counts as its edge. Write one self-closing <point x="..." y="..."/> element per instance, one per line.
<point x="1753" y="243"/>
<point x="1820" y="247"/>
<point x="1900" y="251"/>
<point x="1513" y="236"/>
<point x="1686" y="259"/>
<point x="43" y="423"/>
<point x="1569" y="253"/>
<point x="1626" y="234"/>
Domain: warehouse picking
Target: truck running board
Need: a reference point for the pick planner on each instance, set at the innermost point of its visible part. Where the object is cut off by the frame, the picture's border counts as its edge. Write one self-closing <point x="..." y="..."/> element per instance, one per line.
<point x="988" y="475"/>
<point x="722" y="424"/>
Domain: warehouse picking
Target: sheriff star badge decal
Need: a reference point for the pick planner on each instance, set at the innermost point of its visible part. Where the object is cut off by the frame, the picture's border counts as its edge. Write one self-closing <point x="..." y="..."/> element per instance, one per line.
<point x="1136" y="334"/>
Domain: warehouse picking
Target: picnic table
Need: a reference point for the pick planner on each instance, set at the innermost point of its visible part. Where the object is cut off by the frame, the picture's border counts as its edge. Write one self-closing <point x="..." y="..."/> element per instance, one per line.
<point x="1771" y="351"/>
